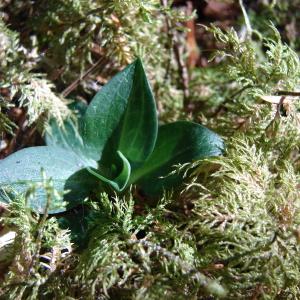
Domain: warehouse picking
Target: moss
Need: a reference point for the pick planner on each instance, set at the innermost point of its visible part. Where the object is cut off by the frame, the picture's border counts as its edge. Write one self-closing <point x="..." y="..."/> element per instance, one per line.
<point x="246" y="221"/>
<point x="233" y="229"/>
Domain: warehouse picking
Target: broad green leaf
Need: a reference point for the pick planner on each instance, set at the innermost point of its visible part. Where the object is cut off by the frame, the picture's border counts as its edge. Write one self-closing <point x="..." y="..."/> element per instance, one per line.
<point x="178" y="142"/>
<point x="104" y="113"/>
<point x="122" y="116"/>
<point x="24" y="167"/>
<point x="120" y="121"/>
<point x="114" y="142"/>
<point x="139" y="125"/>
<point x="123" y="112"/>
<point x="123" y="104"/>
<point x="67" y="137"/>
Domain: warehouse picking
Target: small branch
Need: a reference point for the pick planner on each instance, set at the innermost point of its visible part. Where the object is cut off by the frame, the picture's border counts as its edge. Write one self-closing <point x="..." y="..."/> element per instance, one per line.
<point x="74" y="84"/>
<point x="246" y="18"/>
<point x="287" y="93"/>
<point x="279" y="105"/>
<point x="182" y="68"/>
<point x="192" y="47"/>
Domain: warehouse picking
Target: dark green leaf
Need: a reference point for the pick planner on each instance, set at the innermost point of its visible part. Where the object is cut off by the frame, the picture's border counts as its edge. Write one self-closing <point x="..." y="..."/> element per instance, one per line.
<point x="121" y="122"/>
<point x="139" y="126"/>
<point x="120" y="181"/>
<point x="122" y="116"/>
<point x="178" y="142"/>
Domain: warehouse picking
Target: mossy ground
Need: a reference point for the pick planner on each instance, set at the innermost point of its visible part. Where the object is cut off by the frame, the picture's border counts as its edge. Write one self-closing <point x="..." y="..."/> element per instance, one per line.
<point x="232" y="229"/>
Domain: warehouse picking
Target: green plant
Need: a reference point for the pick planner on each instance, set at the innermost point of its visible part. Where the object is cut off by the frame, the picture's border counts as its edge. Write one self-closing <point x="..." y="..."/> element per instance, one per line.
<point x="116" y="144"/>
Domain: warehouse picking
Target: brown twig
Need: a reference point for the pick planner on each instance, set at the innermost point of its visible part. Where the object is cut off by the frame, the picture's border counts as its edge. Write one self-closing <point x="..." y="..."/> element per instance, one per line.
<point x="182" y="68"/>
<point x="74" y="84"/>
<point x="288" y="93"/>
<point x="27" y="137"/>
<point x="18" y="132"/>
<point x="279" y="105"/>
<point x="192" y="47"/>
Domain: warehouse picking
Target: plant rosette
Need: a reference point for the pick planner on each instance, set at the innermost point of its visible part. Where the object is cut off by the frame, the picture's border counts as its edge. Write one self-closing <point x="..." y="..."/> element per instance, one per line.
<point x="116" y="143"/>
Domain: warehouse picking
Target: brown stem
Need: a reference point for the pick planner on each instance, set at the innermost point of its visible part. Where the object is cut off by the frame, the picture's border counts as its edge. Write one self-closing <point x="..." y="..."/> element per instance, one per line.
<point x="74" y="84"/>
<point x="279" y="105"/>
<point x="287" y="93"/>
<point x="182" y="68"/>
